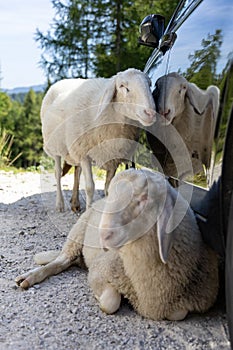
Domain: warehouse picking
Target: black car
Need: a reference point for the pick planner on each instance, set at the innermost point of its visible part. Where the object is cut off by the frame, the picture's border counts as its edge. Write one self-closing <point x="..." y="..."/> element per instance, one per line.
<point x="197" y="44"/>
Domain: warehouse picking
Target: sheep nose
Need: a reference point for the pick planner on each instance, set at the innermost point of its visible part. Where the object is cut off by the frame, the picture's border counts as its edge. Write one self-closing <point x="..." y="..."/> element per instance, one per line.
<point x="165" y="112"/>
<point x="150" y="113"/>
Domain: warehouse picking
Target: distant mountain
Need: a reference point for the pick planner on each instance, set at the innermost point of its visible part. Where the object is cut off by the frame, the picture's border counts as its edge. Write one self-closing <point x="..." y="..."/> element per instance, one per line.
<point x="24" y="90"/>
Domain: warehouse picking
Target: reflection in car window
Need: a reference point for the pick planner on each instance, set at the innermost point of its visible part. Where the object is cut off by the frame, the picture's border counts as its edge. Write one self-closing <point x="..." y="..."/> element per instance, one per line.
<point x="202" y="54"/>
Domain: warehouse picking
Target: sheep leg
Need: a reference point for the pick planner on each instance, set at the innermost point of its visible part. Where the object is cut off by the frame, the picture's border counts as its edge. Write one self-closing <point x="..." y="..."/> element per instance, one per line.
<point x="58" y="174"/>
<point x="71" y="254"/>
<point x="89" y="182"/>
<point x="109" y="175"/>
<point x="177" y="315"/>
<point x="107" y="279"/>
<point x="110" y="300"/>
<point x="37" y="275"/>
<point x="75" y="204"/>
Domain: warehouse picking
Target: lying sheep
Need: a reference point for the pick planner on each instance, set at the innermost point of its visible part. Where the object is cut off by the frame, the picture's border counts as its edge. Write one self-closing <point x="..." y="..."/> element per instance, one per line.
<point x="153" y="251"/>
<point x="193" y="113"/>
<point x="84" y="120"/>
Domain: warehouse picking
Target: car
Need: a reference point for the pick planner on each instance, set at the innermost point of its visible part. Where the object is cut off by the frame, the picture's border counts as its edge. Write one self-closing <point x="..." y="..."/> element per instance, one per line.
<point x="197" y="43"/>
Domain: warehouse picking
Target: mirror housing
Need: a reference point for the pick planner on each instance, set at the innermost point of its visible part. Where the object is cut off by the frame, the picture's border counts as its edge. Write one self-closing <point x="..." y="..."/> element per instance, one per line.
<point x="151" y="30"/>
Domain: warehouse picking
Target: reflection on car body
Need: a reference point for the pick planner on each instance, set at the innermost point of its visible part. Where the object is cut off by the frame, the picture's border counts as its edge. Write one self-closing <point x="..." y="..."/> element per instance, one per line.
<point x="203" y="54"/>
<point x="193" y="113"/>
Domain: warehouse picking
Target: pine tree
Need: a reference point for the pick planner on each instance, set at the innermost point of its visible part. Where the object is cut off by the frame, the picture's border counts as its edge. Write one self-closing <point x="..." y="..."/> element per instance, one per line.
<point x="98" y="37"/>
<point x="27" y="131"/>
<point x="122" y="50"/>
<point x="202" y="70"/>
<point x="67" y="45"/>
<point x="5" y="106"/>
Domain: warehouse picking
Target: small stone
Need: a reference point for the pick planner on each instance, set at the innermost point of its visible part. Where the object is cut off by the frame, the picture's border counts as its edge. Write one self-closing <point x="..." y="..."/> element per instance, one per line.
<point x="36" y="286"/>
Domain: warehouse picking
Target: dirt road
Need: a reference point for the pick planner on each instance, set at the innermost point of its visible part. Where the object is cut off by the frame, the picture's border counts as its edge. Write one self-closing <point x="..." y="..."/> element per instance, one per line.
<point x="61" y="313"/>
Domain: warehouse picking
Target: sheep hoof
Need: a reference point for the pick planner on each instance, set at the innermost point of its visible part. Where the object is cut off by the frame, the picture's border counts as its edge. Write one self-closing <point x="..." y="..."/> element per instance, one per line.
<point x="110" y="300"/>
<point x="76" y="208"/>
<point x="177" y="315"/>
<point x="21" y="282"/>
<point x="60" y="209"/>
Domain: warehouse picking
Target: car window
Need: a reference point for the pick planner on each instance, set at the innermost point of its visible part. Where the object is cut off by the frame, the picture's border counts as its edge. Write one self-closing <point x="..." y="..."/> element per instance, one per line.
<point x="202" y="54"/>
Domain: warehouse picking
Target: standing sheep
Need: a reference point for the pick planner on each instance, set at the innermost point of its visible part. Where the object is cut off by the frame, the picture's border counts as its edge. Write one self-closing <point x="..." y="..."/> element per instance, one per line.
<point x="156" y="257"/>
<point x="84" y="120"/>
<point x="193" y="113"/>
<point x="127" y="133"/>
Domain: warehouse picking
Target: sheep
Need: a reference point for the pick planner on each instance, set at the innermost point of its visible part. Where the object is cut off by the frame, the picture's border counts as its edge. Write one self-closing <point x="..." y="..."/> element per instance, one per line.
<point x="110" y="167"/>
<point x="141" y="241"/>
<point x="86" y="119"/>
<point x="186" y="113"/>
<point x="75" y="203"/>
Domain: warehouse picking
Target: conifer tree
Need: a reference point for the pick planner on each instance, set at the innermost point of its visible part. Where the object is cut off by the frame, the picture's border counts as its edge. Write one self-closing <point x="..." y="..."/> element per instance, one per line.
<point x="96" y="38"/>
<point x="202" y="70"/>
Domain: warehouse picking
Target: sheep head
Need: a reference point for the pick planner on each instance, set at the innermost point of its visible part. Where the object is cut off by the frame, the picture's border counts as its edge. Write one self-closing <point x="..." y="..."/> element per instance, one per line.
<point x="172" y="93"/>
<point x="130" y="95"/>
<point x="169" y="95"/>
<point x="138" y="202"/>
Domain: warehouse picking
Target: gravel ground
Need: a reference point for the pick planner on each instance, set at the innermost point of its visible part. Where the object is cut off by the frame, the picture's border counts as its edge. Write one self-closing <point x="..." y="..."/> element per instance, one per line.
<point x="61" y="313"/>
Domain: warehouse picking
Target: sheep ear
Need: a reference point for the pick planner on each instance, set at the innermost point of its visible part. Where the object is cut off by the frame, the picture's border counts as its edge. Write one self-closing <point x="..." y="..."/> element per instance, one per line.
<point x="107" y="97"/>
<point x="197" y="98"/>
<point x="164" y="227"/>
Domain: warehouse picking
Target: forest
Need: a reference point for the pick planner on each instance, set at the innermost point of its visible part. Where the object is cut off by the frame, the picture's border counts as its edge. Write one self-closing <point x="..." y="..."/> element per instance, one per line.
<point x="88" y="39"/>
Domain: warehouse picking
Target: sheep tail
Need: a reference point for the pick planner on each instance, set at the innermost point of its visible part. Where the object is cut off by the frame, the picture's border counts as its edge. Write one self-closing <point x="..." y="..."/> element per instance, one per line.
<point x="44" y="258"/>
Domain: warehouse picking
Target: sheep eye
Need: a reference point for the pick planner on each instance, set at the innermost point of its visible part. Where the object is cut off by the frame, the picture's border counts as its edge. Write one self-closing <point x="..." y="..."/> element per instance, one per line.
<point x="125" y="87"/>
<point x="182" y="88"/>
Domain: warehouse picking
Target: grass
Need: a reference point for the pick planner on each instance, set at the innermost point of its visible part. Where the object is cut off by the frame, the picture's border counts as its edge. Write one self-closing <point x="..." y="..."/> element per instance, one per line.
<point x="6" y="141"/>
<point x="47" y="163"/>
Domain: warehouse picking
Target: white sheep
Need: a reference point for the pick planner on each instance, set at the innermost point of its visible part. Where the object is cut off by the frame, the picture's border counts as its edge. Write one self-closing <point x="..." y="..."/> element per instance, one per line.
<point x="75" y="203"/>
<point x="84" y="119"/>
<point x="193" y="114"/>
<point x="129" y="136"/>
<point x="156" y="257"/>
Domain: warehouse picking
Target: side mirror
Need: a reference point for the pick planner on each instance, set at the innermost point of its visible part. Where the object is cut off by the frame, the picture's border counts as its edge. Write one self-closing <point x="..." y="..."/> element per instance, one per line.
<point x="151" y="30"/>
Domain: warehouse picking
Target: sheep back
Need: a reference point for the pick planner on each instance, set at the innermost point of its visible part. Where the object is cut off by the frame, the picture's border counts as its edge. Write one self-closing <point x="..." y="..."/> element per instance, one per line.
<point x="65" y="103"/>
<point x="77" y="118"/>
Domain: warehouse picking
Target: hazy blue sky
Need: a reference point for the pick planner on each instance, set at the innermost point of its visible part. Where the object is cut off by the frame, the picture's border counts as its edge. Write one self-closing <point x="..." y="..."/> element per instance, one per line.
<point x="206" y="19"/>
<point x="19" y="53"/>
<point x="209" y="16"/>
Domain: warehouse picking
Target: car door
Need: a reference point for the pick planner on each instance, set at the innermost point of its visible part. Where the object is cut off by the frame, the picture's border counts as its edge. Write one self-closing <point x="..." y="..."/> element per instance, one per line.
<point x="201" y="50"/>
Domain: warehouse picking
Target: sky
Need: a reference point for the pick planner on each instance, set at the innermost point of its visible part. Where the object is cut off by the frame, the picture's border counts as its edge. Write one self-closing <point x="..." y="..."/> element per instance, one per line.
<point x="19" y="53"/>
<point x="209" y="16"/>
